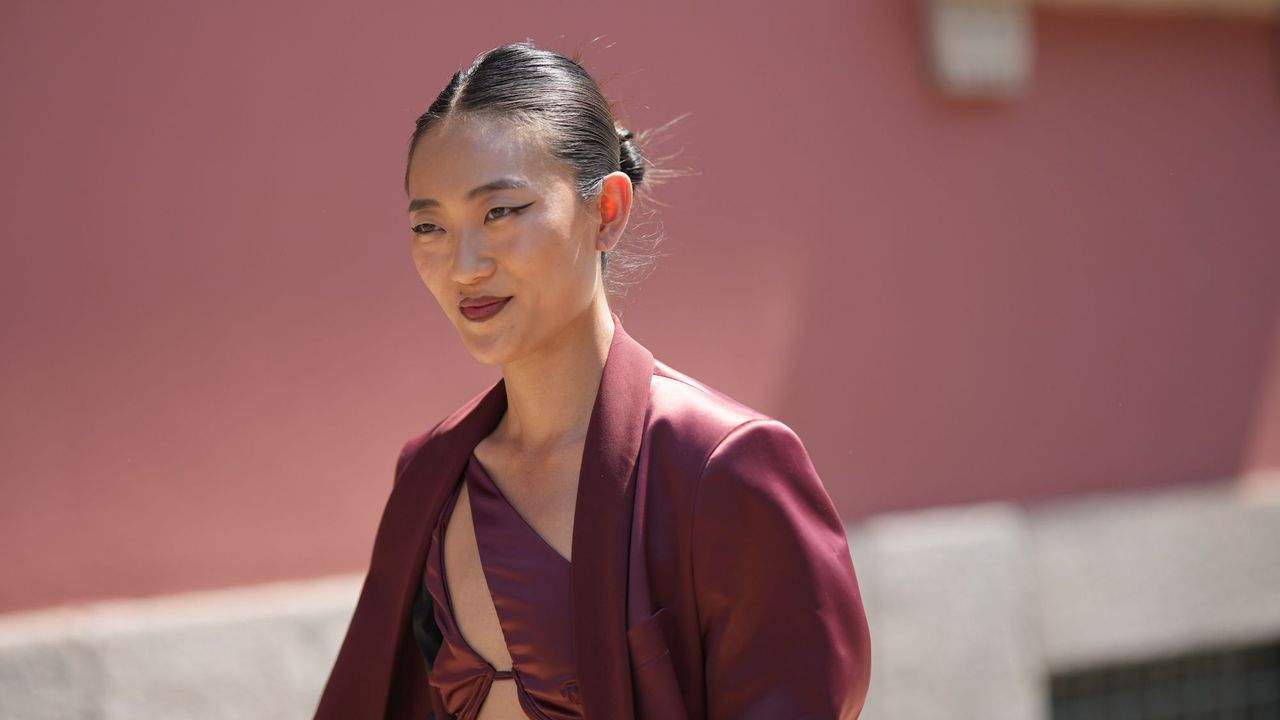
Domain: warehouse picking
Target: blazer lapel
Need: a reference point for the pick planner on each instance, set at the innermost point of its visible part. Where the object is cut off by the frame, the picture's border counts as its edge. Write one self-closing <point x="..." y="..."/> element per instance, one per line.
<point x="379" y="671"/>
<point x="379" y="665"/>
<point x="602" y="528"/>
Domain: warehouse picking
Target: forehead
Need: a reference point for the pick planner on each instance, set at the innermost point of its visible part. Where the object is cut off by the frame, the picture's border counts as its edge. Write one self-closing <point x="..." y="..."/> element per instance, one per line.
<point x="463" y="152"/>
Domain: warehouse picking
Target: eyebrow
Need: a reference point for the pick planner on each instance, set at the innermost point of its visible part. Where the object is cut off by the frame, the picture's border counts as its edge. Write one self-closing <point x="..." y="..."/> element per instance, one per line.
<point x="499" y="184"/>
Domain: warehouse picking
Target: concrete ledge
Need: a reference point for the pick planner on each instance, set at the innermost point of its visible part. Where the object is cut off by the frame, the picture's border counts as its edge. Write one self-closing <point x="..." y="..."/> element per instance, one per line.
<point x="951" y="605"/>
<point x="970" y="610"/>
<point x="1153" y="574"/>
<point x="263" y="652"/>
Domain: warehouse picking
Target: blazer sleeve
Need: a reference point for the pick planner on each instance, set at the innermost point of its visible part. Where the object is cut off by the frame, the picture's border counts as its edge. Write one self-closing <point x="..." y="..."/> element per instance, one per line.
<point x="783" y="627"/>
<point x="352" y="690"/>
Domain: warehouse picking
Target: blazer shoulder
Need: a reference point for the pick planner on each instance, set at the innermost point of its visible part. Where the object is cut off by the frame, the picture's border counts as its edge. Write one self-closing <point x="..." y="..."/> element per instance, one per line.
<point x="696" y="412"/>
<point x="438" y="433"/>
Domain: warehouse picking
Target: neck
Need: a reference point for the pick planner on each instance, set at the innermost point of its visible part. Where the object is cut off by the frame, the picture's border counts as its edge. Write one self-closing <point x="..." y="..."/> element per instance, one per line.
<point x="550" y="393"/>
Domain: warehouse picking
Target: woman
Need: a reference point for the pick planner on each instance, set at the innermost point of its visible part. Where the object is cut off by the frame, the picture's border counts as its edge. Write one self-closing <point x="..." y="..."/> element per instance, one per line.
<point x="596" y="535"/>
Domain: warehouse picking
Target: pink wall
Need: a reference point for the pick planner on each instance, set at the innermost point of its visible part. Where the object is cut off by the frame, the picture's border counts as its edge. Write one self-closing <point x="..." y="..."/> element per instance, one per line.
<point x="214" y="342"/>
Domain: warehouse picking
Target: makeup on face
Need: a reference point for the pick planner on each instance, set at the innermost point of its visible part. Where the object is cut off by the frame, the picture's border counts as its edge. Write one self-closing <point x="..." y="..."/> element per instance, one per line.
<point x="482" y="308"/>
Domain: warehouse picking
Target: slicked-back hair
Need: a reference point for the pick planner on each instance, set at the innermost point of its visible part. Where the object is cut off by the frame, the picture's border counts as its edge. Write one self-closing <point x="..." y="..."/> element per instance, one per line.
<point x="553" y="93"/>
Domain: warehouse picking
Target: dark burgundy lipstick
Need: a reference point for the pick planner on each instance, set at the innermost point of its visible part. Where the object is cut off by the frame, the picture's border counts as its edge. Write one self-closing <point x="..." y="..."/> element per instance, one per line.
<point x="479" y="309"/>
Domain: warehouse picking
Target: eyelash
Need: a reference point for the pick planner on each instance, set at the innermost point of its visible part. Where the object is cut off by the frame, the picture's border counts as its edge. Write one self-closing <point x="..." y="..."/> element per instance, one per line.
<point x="512" y="211"/>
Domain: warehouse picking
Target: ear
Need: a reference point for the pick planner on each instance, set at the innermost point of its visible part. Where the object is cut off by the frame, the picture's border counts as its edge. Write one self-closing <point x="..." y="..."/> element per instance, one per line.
<point x="615" y="210"/>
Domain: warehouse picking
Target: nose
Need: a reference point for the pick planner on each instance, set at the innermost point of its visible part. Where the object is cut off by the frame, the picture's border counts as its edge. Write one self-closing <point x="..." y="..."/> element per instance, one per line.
<point x="471" y="258"/>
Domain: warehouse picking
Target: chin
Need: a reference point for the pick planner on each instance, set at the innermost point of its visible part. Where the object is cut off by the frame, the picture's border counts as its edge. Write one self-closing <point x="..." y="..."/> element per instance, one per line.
<point x="489" y="359"/>
<point x="485" y="350"/>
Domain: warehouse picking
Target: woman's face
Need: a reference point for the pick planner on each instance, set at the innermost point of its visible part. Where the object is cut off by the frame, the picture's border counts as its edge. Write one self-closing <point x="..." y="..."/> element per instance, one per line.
<point x="495" y="216"/>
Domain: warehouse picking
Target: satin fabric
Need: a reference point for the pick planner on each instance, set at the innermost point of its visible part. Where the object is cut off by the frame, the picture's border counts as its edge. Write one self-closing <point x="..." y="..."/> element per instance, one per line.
<point x="529" y="581"/>
<point x="711" y="574"/>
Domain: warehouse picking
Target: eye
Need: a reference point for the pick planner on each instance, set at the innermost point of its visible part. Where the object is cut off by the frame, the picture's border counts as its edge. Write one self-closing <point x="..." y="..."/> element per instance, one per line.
<point x="505" y="211"/>
<point x="424" y="228"/>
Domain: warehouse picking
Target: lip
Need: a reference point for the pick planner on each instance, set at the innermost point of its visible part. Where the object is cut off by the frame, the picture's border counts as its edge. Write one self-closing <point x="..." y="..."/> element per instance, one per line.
<point x="482" y="308"/>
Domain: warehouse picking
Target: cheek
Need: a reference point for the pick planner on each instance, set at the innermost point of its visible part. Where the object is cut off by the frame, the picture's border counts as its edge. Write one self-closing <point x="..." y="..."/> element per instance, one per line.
<point x="422" y="264"/>
<point x="530" y="251"/>
<point x="427" y="255"/>
<point x="430" y="267"/>
<point x="561" y="244"/>
<point x="558" y="266"/>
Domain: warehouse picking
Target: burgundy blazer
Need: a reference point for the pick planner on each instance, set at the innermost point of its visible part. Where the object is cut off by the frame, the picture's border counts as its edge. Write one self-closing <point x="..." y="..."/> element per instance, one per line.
<point x="711" y="574"/>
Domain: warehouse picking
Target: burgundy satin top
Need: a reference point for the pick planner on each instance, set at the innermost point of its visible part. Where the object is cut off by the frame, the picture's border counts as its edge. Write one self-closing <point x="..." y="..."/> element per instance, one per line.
<point x="530" y="584"/>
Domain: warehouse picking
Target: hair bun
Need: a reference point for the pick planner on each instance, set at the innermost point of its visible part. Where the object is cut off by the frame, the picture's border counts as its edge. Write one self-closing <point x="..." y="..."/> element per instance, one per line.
<point x="630" y="160"/>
